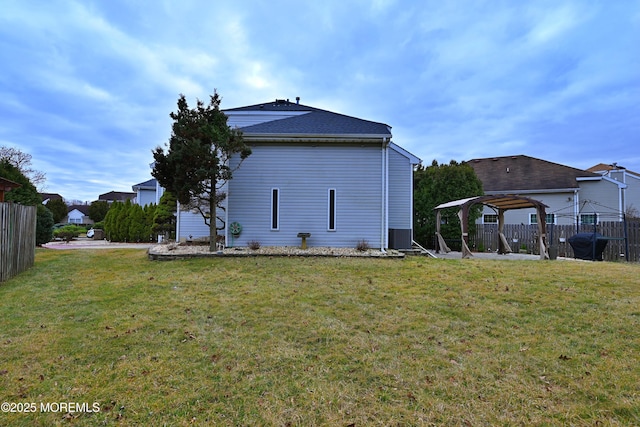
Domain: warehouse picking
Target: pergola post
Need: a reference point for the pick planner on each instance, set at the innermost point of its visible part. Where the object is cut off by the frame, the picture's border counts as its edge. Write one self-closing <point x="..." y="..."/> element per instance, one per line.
<point x="440" y="243"/>
<point x="503" y="245"/>
<point x="463" y="214"/>
<point x="542" y="231"/>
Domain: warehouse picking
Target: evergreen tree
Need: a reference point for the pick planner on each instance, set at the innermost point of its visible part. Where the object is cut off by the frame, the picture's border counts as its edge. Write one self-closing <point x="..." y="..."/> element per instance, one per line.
<point x="137" y="224"/>
<point x="44" y="225"/>
<point x="164" y="219"/>
<point x="149" y="213"/>
<point x="197" y="163"/>
<point x="122" y="222"/>
<point x="98" y="210"/>
<point x="26" y="194"/>
<point x="110" y="222"/>
<point x="439" y="184"/>
<point x="59" y="209"/>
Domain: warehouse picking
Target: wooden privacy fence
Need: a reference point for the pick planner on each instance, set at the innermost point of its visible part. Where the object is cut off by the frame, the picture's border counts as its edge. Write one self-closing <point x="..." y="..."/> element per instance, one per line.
<point x="17" y="239"/>
<point x="524" y="237"/>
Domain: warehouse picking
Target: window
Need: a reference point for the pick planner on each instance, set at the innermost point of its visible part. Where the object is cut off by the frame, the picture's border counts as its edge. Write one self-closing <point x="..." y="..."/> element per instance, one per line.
<point x="550" y="219"/>
<point x="490" y="219"/>
<point x="589" y="219"/>
<point x="331" y="226"/>
<point x="275" y="208"/>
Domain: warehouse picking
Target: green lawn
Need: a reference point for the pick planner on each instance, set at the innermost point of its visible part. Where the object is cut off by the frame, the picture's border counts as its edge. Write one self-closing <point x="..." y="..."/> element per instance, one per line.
<point x="320" y="341"/>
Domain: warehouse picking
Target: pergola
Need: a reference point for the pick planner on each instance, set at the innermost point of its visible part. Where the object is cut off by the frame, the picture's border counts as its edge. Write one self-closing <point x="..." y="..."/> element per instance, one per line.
<point x="501" y="203"/>
<point x="5" y="186"/>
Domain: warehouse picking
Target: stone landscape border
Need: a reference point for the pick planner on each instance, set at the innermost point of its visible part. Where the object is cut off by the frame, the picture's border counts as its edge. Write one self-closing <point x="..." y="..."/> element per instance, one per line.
<point x="168" y="252"/>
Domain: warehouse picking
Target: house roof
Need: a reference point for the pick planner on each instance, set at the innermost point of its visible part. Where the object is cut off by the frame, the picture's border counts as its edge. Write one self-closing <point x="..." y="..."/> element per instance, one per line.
<point x="81" y="208"/>
<point x="150" y="184"/>
<point x="50" y="196"/>
<point x="309" y="121"/>
<point x="117" y="196"/>
<point x="604" y="168"/>
<point x="523" y="173"/>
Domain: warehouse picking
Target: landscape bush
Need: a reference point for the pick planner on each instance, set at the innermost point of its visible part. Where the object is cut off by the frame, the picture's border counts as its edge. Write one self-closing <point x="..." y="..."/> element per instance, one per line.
<point x="69" y="232"/>
<point x="128" y="222"/>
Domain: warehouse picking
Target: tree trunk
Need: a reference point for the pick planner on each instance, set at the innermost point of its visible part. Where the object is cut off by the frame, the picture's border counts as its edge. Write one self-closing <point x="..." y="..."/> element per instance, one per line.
<point x="213" y="231"/>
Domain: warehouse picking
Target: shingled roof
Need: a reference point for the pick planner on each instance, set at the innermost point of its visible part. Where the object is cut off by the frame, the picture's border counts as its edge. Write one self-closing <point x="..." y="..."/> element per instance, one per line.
<point x="310" y="121"/>
<point x="522" y="173"/>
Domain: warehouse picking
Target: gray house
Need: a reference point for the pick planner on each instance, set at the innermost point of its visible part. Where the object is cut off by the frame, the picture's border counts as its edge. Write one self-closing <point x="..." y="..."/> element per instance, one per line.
<point x="336" y="177"/>
<point x="573" y="196"/>
<point x="146" y="192"/>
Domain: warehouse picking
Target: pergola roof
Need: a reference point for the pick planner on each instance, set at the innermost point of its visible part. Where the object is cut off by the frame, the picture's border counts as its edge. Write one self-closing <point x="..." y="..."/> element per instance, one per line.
<point x="499" y="201"/>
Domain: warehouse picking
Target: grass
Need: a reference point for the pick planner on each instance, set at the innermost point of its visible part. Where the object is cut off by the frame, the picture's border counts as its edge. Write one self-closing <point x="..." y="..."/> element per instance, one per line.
<point x="317" y="341"/>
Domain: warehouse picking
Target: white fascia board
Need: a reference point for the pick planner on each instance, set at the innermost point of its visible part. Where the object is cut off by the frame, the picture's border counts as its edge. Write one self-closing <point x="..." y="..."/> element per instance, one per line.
<point x="539" y="191"/>
<point x="601" y="178"/>
<point x="288" y="137"/>
<point x="414" y="160"/>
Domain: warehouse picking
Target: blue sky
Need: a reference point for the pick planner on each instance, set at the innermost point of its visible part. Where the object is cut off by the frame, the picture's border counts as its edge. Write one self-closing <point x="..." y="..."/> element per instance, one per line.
<point x="86" y="87"/>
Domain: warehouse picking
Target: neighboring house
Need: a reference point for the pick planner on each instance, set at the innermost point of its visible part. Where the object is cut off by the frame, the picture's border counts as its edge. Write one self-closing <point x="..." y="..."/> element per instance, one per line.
<point x="337" y="177"/>
<point x="631" y="194"/>
<point x="146" y="192"/>
<point x="46" y="197"/>
<point x="117" y="196"/>
<point x="78" y="214"/>
<point x="574" y="196"/>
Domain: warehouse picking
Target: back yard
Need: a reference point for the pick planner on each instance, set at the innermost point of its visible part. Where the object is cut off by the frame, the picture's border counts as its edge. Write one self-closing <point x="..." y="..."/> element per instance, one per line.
<point x="305" y="341"/>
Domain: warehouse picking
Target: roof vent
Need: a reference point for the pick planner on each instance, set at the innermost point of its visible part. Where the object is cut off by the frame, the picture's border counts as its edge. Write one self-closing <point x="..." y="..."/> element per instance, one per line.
<point x="297" y="100"/>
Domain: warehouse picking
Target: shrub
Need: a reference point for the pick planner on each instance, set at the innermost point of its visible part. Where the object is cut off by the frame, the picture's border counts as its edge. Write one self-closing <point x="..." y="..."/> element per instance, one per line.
<point x="68" y="232"/>
<point x="44" y="225"/>
<point x="363" y="245"/>
<point x="254" y="245"/>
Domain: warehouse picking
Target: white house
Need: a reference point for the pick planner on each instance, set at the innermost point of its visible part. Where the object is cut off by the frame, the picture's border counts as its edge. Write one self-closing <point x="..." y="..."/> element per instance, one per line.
<point x="78" y="214"/>
<point x="339" y="178"/>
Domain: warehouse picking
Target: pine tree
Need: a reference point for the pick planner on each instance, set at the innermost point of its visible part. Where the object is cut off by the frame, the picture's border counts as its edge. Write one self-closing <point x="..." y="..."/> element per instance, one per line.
<point x="197" y="163"/>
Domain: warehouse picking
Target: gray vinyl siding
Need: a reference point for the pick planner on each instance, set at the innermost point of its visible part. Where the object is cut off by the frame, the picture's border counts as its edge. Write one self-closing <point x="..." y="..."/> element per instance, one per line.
<point x="191" y="226"/>
<point x="400" y="191"/>
<point x="601" y="197"/>
<point x="632" y="194"/>
<point x="146" y="197"/>
<point x="304" y="174"/>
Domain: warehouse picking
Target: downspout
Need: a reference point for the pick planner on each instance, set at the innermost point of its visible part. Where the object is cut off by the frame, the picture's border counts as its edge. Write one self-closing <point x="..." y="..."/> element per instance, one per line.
<point x="178" y="210"/>
<point x="384" y="189"/>
<point x="576" y="209"/>
<point x="621" y="201"/>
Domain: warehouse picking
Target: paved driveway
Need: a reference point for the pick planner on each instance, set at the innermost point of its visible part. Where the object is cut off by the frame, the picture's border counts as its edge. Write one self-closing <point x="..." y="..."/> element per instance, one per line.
<point x="84" y="243"/>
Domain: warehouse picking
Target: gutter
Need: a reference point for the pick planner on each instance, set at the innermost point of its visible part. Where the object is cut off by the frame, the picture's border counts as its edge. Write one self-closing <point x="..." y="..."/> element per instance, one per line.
<point x="541" y="190"/>
<point x="288" y="137"/>
<point x="384" y="230"/>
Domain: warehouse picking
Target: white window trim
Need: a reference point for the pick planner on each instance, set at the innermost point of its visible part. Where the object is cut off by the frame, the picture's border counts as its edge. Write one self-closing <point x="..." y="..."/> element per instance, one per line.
<point x="590" y="214"/>
<point x="555" y="219"/>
